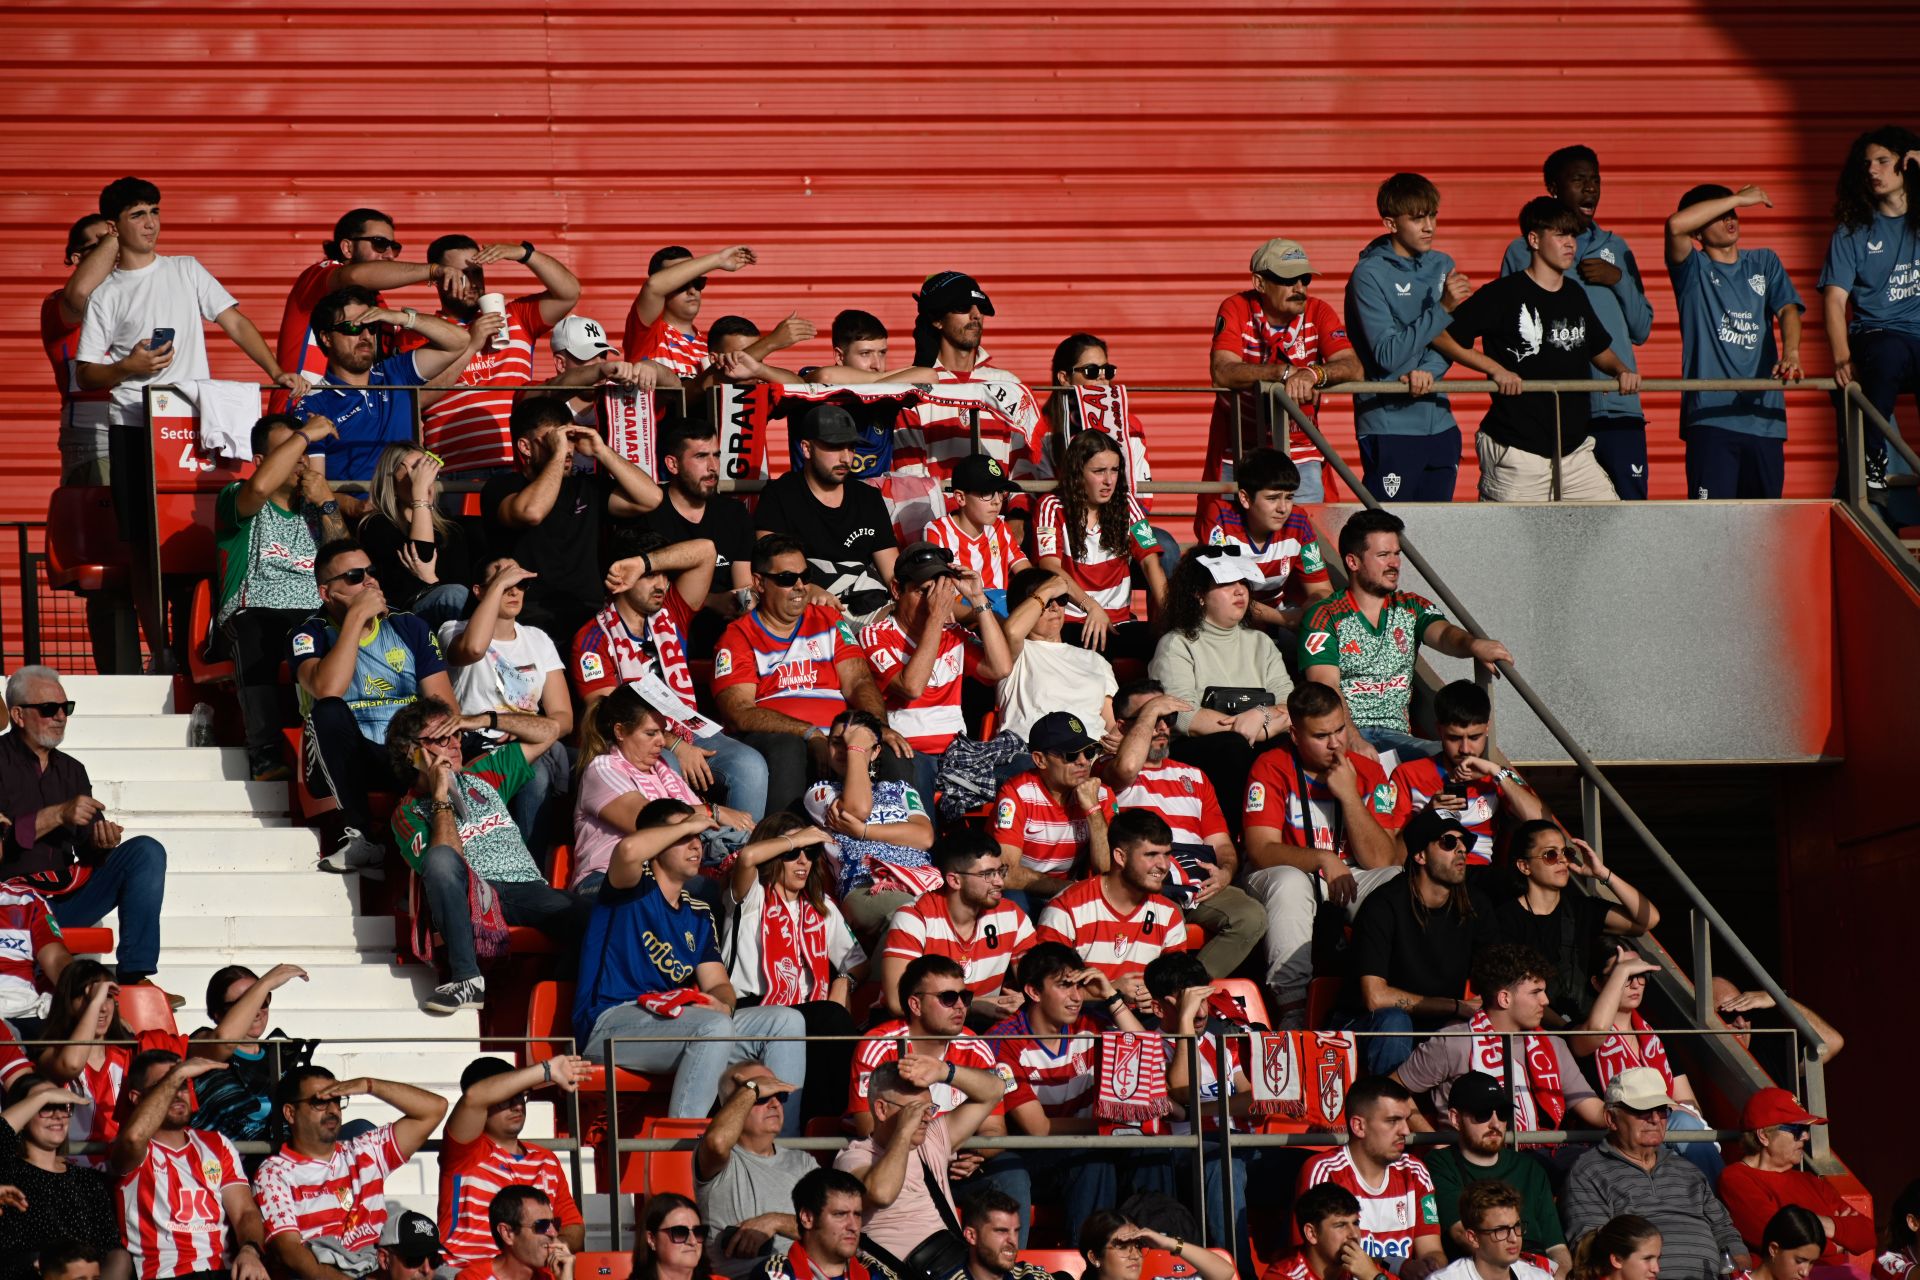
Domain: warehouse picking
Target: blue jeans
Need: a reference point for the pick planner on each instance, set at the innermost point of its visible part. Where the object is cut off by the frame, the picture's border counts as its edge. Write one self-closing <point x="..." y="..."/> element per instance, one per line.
<point x="700" y="1050"/>
<point x="444" y="876"/>
<point x="1404" y="745"/>
<point x="1382" y="1055"/>
<point x="552" y="776"/>
<point x="743" y="768"/>
<point x="441" y="603"/>
<point x="133" y="879"/>
<point x="1704" y="1156"/>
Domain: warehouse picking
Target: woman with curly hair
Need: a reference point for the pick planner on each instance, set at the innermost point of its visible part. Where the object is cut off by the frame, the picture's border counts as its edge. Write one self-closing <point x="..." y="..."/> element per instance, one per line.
<point x="419" y="556"/>
<point x="1088" y="532"/>
<point x="1873" y="262"/>
<point x="1227" y="670"/>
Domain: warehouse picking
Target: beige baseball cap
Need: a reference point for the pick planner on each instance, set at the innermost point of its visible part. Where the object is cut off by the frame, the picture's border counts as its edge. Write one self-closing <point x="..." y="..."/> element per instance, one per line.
<point x="1281" y="256"/>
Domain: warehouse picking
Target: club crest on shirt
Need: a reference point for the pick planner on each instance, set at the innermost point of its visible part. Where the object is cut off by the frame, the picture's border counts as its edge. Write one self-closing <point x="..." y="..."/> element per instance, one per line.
<point x="395" y="656"/>
<point x="1757" y="283"/>
<point x="1606" y="256"/>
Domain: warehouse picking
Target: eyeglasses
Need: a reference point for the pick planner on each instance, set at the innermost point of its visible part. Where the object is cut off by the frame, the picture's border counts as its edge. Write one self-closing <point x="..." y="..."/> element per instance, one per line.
<point x="352" y="577"/>
<point x="695" y="285"/>
<point x="784" y="578"/>
<point x="1552" y="853"/>
<point x="1287" y="281"/>
<point x="683" y="1234"/>
<point x="1512" y="1231"/>
<point x="547" y="1226"/>
<point x="991" y="873"/>
<point x="1095" y="370"/>
<point x="48" y="710"/>
<point x="951" y="999"/>
<point x="56" y="1109"/>
<point x="517" y="1100"/>
<point x="380" y="243"/>
<point x="353" y="328"/>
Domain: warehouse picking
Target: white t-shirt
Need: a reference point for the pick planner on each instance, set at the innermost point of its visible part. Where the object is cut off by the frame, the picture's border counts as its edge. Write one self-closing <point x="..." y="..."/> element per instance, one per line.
<point x="1463" y="1269"/>
<point x="174" y="293"/>
<point x="1051" y="676"/>
<point x="510" y="678"/>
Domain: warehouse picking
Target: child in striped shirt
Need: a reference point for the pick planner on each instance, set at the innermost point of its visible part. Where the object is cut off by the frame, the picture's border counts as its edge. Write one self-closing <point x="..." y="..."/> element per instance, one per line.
<point x="976" y="535"/>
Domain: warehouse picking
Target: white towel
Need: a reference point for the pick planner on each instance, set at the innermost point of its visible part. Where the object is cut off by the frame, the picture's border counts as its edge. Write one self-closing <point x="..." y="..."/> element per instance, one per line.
<point x="227" y="412"/>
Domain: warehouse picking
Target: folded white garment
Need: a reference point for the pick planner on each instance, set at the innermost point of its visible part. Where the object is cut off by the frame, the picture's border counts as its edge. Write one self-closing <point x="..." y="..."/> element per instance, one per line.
<point x="227" y="412"/>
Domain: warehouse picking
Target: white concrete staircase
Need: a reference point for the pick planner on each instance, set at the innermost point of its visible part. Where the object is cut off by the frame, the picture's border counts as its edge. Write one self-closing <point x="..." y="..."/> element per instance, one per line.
<point x="242" y="888"/>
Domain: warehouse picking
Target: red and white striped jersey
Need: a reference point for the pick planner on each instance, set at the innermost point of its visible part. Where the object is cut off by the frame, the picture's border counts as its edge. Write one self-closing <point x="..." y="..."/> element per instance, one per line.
<point x="684" y="353"/>
<point x="1290" y="560"/>
<point x="97" y="1119"/>
<point x="992" y="555"/>
<point x="925" y="927"/>
<point x="1103" y="572"/>
<point x="1084" y="918"/>
<point x="1207" y="1094"/>
<point x="929" y="438"/>
<point x="1058" y="1072"/>
<point x="472" y="1173"/>
<point x="882" y="1044"/>
<point x="26" y="926"/>
<point x="1292" y="1267"/>
<point x="1415" y="782"/>
<point x="932" y="720"/>
<point x="13" y="1059"/>
<point x="1183" y="795"/>
<point x="170" y="1209"/>
<point x="1242" y="329"/>
<point x="1393" y="1215"/>
<point x="793" y="674"/>
<point x="468" y="429"/>
<point x="343" y="1196"/>
<point x="1051" y="840"/>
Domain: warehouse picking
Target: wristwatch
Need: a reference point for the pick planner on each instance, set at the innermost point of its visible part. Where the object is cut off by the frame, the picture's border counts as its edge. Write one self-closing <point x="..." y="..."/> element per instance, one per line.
<point x="323" y="509"/>
<point x="526" y="253"/>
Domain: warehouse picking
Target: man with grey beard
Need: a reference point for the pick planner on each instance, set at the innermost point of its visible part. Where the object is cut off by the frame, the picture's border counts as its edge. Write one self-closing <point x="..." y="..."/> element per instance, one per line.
<point x="57" y="837"/>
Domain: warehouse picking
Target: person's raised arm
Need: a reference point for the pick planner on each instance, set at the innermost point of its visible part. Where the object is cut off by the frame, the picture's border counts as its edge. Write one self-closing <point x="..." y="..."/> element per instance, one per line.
<point x="1126" y="763"/>
<point x="635" y="493"/>
<point x="239" y="1016"/>
<point x="448" y="345"/>
<point x="392" y="273"/>
<point x="468" y="1120"/>
<point x="675" y="276"/>
<point x="560" y="288"/>
<point x="1684" y="223"/>
<point x="234" y="323"/>
<point x="47" y="1095"/>
<point x="982" y="1089"/>
<point x="692" y="563"/>
<point x="329" y="675"/>
<point x="632" y="854"/>
<point x="62" y="1063"/>
<point x="470" y="646"/>
<point x="746" y="863"/>
<point x="279" y="464"/>
<point x="996" y="656"/>
<point x="129" y="1149"/>
<point x="1205" y="1262"/>
<point x="1635" y="914"/>
<point x="1023" y="619"/>
<point x="791" y="332"/>
<point x="911" y="680"/>
<point x="723" y="1131"/>
<point x="886" y="1177"/>
<point x="1627" y="965"/>
<point x="420" y="1111"/>
<point x="95" y="265"/>
<point x="527" y="508"/>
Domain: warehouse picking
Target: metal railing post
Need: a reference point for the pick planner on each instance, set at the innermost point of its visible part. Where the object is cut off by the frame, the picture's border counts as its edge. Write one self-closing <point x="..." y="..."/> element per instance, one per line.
<point x="610" y="1178"/>
<point x="29" y="600"/>
<point x="1229" y="1199"/>
<point x="1200" y="1146"/>
<point x="1591" y="816"/>
<point x="1702" y="969"/>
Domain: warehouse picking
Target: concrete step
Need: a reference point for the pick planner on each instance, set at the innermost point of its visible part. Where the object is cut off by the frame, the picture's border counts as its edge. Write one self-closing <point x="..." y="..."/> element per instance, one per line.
<point x="337" y="985"/>
<point x="155" y="824"/>
<point x="285" y="849"/>
<point x="88" y="730"/>
<point x="347" y="1029"/>
<point x="139" y="799"/>
<point x="269" y="937"/>
<point x="164" y="764"/>
<point x="263" y="894"/>
<point x="120" y="695"/>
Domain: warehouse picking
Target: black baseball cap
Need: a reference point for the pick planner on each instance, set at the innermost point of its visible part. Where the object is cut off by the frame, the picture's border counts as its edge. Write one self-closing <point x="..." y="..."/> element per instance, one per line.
<point x="979" y="473"/>
<point x="1479" y="1094"/>
<point x="1429" y="825"/>
<point x="1060" y="732"/>
<point x="829" y="424"/>
<point x="947" y="291"/>
<point x="412" y="1236"/>
<point x="923" y="562"/>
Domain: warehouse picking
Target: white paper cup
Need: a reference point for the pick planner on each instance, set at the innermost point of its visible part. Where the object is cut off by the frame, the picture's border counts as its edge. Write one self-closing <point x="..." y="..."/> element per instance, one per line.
<point x="495" y="304"/>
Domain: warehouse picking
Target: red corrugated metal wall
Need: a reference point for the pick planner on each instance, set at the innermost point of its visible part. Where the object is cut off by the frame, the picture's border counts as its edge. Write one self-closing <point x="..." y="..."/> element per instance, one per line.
<point x="1105" y="166"/>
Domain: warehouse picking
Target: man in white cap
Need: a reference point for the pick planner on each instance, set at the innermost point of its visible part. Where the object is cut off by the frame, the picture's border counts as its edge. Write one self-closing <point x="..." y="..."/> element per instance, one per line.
<point x="583" y="358"/>
<point x="1634" y="1172"/>
<point x="1273" y="332"/>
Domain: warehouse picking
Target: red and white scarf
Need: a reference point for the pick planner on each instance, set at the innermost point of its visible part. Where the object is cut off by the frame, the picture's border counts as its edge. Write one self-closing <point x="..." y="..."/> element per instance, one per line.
<point x="1642" y="1048"/>
<point x="793" y="953"/>
<point x="1545" y="1092"/>
<point x="1133" y="1082"/>
<point x="630" y="426"/>
<point x="668" y="1004"/>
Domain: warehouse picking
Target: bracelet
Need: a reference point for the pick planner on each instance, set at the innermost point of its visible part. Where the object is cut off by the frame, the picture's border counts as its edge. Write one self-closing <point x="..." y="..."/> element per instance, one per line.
<point x="1178" y="1245"/>
<point x="646" y="564"/>
<point x="440" y="806"/>
<point x="864" y="751"/>
<point x="1114" y="999"/>
<point x="1319" y="375"/>
<point x="546" y="1069"/>
<point x="493" y="720"/>
<point x="951" y="1070"/>
<point x="788" y="837"/>
<point x="1609" y="879"/>
<point x="413" y="317"/>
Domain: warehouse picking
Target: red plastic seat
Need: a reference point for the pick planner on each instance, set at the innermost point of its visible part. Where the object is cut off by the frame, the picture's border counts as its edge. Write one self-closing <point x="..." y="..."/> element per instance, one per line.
<point x="602" y="1266"/>
<point x="562" y="869"/>
<point x="84" y="548"/>
<point x="550" y="1013"/>
<point x="1068" y="1260"/>
<point x="652" y="1173"/>
<point x="1248" y="995"/>
<point x="96" y="940"/>
<point x="145" y="1008"/>
<point x="203" y="669"/>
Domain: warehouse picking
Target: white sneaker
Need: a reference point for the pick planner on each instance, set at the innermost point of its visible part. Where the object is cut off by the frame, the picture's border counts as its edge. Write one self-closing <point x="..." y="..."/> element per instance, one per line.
<point x="356" y="853"/>
<point x="451" y="997"/>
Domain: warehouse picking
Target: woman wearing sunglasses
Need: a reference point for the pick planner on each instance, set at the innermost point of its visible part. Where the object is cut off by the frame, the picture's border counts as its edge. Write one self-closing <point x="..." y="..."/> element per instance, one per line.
<point x="671" y="1242"/>
<point x="1115" y="1246"/>
<point x="1771" y="1176"/>
<point x="44" y="1199"/>
<point x="419" y="555"/>
<point x="1081" y="361"/>
<point x="1088" y="531"/>
<point x="785" y="942"/>
<point x="1563" y="926"/>
<point x="880" y="832"/>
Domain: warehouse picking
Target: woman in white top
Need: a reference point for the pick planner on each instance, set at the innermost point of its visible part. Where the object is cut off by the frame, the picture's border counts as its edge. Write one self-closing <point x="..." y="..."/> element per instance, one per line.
<point x="500" y="664"/>
<point x="786" y="943"/>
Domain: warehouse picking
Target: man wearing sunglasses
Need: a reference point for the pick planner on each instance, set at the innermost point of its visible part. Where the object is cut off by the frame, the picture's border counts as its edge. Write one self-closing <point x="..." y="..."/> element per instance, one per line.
<point x="743" y="1179"/>
<point x="351" y="327"/>
<point x="1273" y="332"/>
<point x="844" y="527"/>
<point x="933" y="991"/>
<point x="1480" y="1111"/>
<point x="527" y="1236"/>
<point x="660" y="324"/>
<point x="1052" y="820"/>
<point x="57" y="838"/>
<point x="362" y="251"/>
<point x="1634" y="1171"/>
<point x="481" y="1152"/>
<point x="1772" y="1175"/>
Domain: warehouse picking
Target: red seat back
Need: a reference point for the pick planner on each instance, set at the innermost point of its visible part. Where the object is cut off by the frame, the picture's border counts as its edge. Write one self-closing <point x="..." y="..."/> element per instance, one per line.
<point x="83" y="537"/>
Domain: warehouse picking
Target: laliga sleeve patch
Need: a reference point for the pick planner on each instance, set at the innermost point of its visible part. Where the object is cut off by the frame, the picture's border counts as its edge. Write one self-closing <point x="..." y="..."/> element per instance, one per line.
<point x="591" y="668"/>
<point x="1317" y="641"/>
<point x="303" y="645"/>
<point x="1256" y="797"/>
<point x="860" y="1087"/>
<point x="1003" y="817"/>
<point x="723" y="663"/>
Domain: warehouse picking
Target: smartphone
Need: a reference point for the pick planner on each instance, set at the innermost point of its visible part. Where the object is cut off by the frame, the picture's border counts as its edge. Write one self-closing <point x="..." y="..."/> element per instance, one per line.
<point x="160" y="338"/>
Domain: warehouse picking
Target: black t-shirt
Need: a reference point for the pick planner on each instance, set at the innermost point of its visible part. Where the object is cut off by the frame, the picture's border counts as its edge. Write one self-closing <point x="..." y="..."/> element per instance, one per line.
<point x="564" y="549"/>
<point x="75" y="1205"/>
<point x="1538" y="335"/>
<point x="840" y="541"/>
<point x="1430" y="956"/>
<point x="383" y="540"/>
<point x="1565" y="937"/>
<point x="725" y="520"/>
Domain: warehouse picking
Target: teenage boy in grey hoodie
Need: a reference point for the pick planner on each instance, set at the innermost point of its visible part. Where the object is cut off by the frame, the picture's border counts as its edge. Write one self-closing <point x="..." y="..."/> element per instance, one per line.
<point x="1607" y="271"/>
<point x="1399" y="298"/>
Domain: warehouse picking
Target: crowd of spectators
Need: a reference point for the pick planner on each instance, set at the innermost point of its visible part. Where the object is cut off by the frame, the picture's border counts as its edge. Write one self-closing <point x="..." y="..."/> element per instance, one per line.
<point x="846" y="760"/>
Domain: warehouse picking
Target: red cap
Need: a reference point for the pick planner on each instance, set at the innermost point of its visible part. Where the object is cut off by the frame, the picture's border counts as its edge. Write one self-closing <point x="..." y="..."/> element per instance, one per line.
<point x="1768" y="1107"/>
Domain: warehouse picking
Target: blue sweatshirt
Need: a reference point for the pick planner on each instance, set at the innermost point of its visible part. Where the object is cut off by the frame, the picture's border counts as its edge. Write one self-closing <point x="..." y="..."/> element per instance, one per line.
<point x="1393" y="316"/>
<point x="1623" y="308"/>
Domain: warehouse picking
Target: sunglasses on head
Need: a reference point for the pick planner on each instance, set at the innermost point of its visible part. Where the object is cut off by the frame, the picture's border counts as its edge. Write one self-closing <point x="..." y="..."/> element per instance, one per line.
<point x="695" y="285"/>
<point x="48" y="710"/>
<point x="784" y="578"/>
<point x="1287" y="281"/>
<point x="951" y="999"/>
<point x="353" y="577"/>
<point x="1095" y="370"/>
<point x="353" y="328"/>
<point x="380" y="243"/>
<point x="683" y="1234"/>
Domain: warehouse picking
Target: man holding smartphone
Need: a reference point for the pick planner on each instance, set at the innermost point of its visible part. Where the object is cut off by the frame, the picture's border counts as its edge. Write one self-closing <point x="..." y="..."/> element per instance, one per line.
<point x="1461" y="781"/>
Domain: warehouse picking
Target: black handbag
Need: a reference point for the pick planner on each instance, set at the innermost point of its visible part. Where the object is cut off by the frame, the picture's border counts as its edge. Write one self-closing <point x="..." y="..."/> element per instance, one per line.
<point x="1229" y="701"/>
